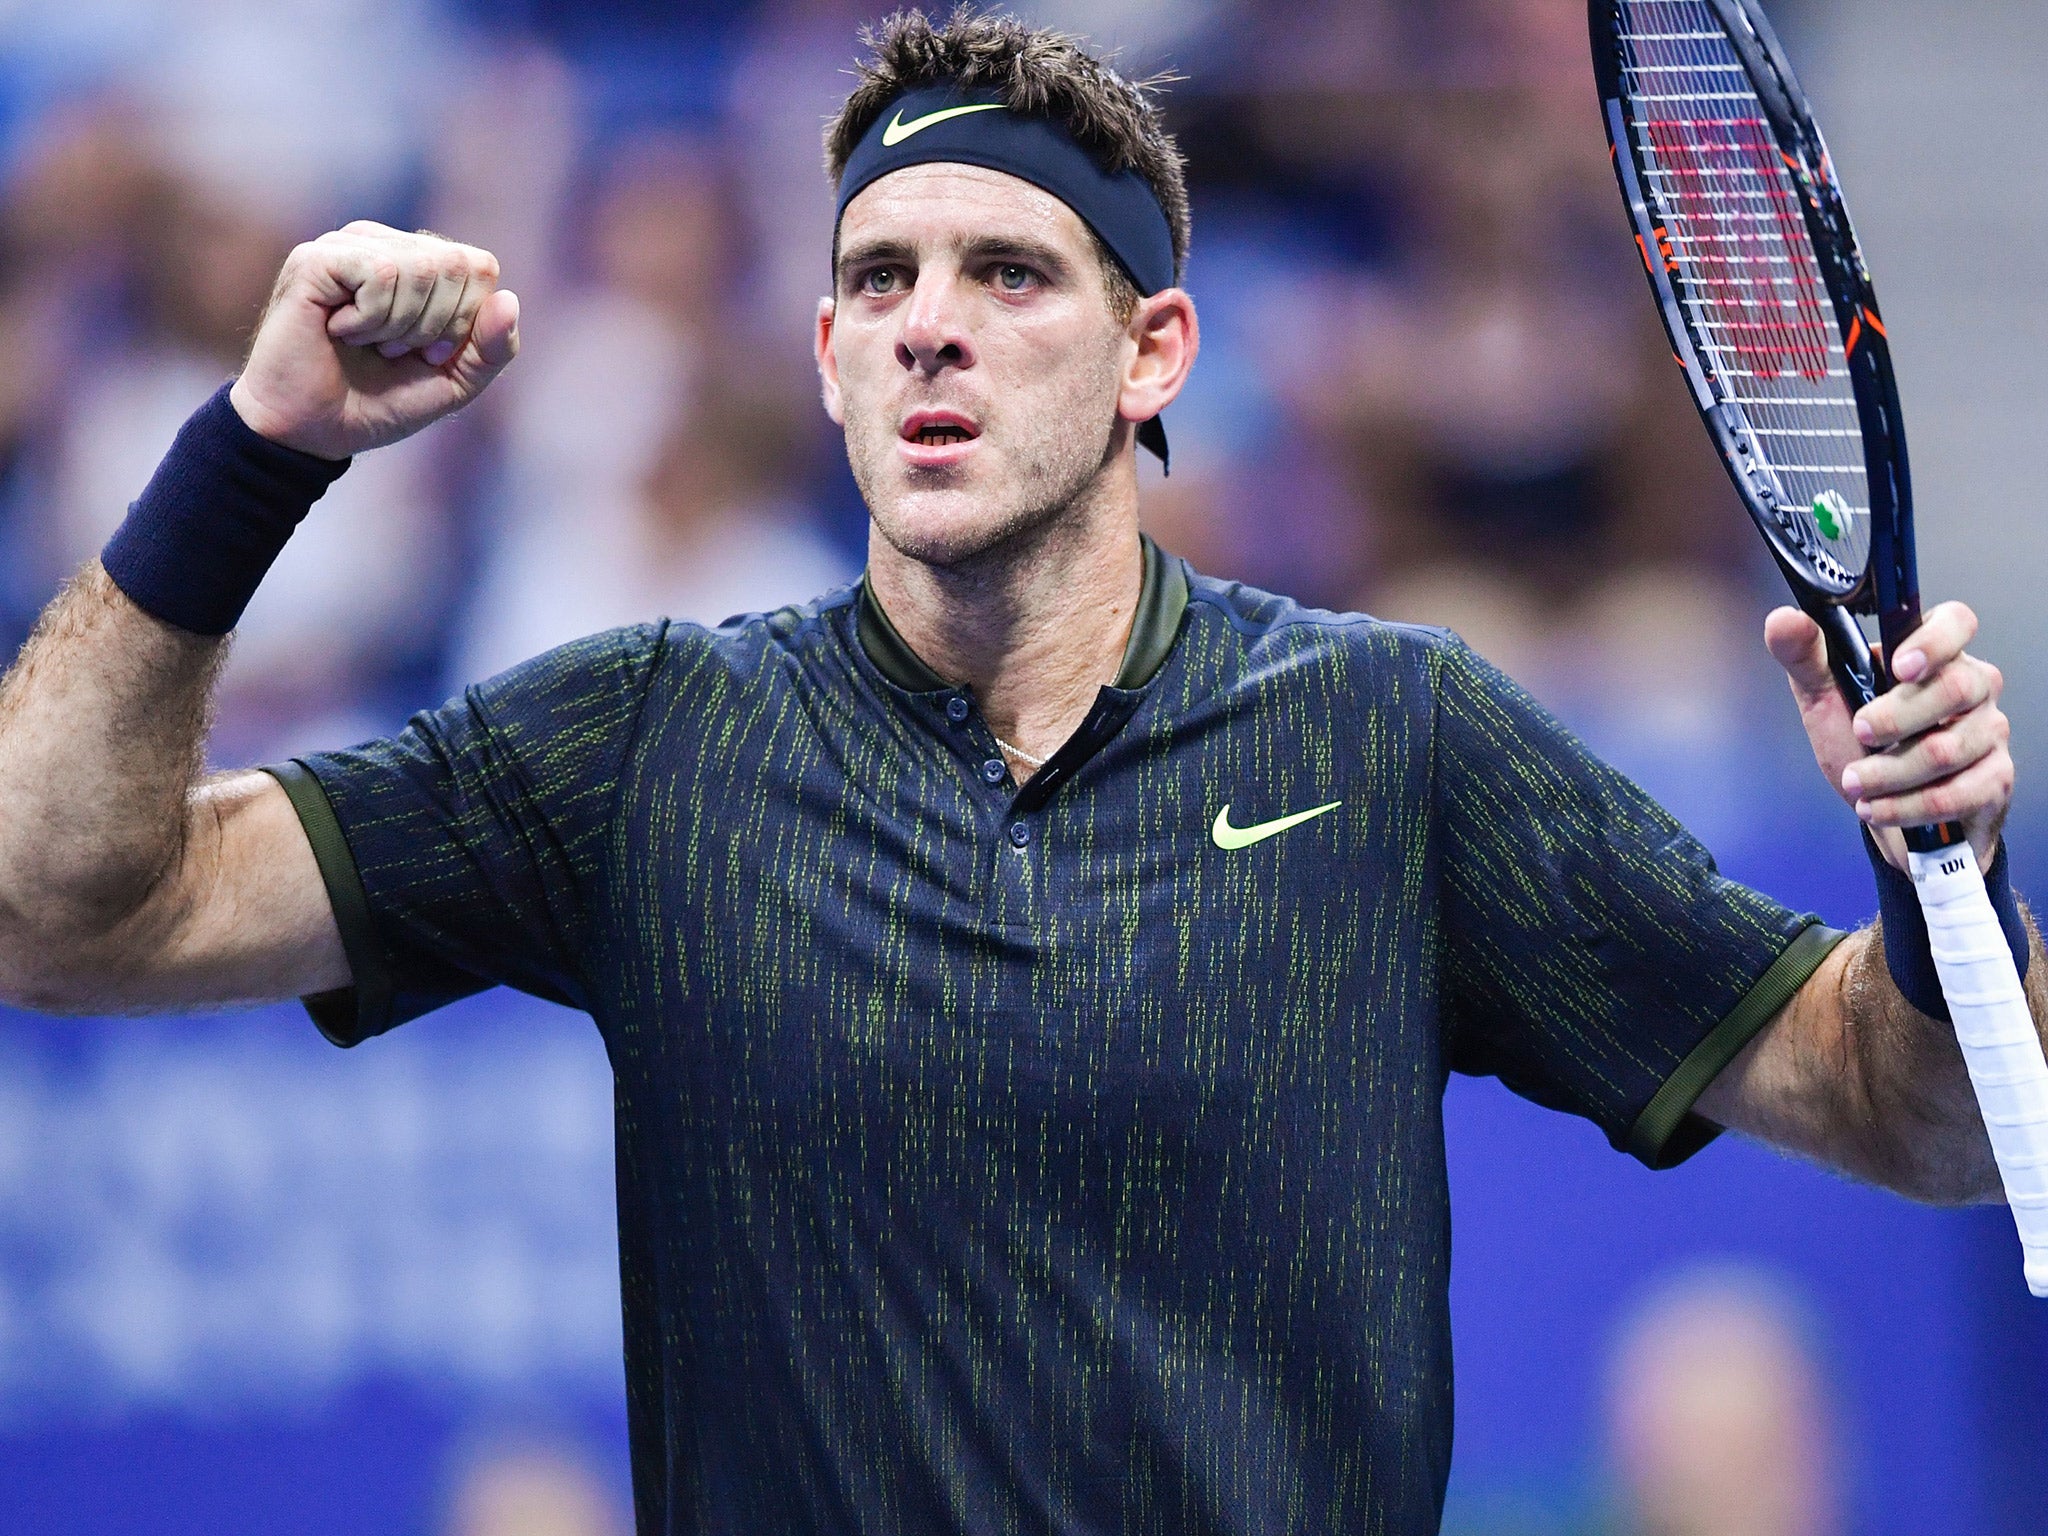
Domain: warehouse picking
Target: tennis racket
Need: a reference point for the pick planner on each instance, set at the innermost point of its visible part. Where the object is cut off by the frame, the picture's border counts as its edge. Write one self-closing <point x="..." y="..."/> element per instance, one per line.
<point x="1772" y="317"/>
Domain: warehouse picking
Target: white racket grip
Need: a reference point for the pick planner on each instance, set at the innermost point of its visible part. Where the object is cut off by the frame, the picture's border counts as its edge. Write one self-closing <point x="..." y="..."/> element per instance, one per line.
<point x="2000" y="1043"/>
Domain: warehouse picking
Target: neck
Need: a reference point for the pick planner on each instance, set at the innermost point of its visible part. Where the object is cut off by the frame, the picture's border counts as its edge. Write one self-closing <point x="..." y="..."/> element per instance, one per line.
<point x="1036" y="625"/>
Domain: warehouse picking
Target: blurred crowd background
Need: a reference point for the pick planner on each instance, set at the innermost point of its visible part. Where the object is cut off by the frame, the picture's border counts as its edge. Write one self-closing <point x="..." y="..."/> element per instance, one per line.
<point x="249" y="1284"/>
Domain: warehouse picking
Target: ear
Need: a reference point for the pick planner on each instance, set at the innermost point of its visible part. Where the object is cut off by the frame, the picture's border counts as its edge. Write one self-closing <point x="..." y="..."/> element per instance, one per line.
<point x="1165" y="336"/>
<point x="828" y="363"/>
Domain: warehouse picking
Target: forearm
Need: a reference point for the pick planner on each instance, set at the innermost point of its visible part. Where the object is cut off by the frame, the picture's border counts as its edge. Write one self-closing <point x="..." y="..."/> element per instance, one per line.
<point x="102" y="729"/>
<point x="1910" y="1120"/>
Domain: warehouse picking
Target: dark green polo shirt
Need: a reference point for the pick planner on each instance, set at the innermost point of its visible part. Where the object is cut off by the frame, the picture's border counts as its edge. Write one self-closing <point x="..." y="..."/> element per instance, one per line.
<point x="1064" y="1157"/>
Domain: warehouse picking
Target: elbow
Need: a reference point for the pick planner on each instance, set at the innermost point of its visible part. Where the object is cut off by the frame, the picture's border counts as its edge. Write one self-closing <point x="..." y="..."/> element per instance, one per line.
<point x="1976" y="1183"/>
<point x="19" y="982"/>
<point x="60" y="994"/>
<point x="1944" y="1170"/>
<point x="80" y="953"/>
<point x="45" y="972"/>
<point x="1948" y="1189"/>
<point x="30" y="989"/>
<point x="53" y="1001"/>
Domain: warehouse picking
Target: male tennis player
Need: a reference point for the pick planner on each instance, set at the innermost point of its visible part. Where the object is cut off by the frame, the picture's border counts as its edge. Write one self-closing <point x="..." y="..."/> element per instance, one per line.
<point x="1031" y="974"/>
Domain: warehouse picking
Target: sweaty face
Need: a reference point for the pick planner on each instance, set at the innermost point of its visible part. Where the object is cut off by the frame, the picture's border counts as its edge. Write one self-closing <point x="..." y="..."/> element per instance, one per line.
<point x="970" y="352"/>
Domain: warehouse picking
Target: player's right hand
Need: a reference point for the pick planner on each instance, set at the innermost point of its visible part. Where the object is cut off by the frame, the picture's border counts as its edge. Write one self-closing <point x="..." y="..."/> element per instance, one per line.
<point x="372" y="334"/>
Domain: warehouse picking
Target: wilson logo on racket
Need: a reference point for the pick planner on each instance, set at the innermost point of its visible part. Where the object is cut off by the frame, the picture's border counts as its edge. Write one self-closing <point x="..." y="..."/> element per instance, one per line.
<point x="1767" y="309"/>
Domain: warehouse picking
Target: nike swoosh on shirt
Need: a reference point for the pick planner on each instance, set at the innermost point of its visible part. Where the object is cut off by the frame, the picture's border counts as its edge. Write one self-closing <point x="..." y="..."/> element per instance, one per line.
<point x="1227" y="836"/>
<point x="896" y="132"/>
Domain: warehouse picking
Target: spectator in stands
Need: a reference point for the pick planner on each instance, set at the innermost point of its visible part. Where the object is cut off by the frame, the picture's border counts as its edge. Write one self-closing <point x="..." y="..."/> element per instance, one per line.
<point x="68" y="222"/>
<point x="712" y="530"/>
<point x="656" y="443"/>
<point x="1511" y="417"/>
<point x="532" y="1490"/>
<point x="1718" y="1417"/>
<point x="67" y="229"/>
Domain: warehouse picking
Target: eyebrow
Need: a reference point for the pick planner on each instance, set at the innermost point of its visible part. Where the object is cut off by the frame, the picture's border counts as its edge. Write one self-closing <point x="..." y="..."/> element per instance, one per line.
<point x="870" y="253"/>
<point x="985" y="248"/>
<point x="1036" y="253"/>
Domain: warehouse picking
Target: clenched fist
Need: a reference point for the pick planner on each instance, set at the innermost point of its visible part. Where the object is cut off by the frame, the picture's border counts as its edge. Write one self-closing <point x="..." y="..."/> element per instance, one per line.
<point x="372" y="334"/>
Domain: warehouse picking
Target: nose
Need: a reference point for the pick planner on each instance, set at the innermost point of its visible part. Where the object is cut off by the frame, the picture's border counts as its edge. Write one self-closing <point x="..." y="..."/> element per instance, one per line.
<point x="935" y="336"/>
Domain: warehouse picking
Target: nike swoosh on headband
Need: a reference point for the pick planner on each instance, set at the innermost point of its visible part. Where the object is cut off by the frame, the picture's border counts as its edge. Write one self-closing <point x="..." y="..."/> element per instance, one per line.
<point x="898" y="130"/>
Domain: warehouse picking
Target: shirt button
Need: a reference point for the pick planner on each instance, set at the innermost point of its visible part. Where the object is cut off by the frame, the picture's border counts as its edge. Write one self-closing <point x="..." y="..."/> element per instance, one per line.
<point x="993" y="770"/>
<point x="956" y="710"/>
<point x="1020" y="834"/>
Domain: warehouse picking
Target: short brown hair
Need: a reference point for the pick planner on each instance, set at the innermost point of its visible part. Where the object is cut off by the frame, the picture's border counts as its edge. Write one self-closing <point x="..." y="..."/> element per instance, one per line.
<point x="1032" y="69"/>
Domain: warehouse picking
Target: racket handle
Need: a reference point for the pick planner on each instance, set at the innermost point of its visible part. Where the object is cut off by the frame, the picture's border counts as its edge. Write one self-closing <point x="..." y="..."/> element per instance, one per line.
<point x="2000" y="1044"/>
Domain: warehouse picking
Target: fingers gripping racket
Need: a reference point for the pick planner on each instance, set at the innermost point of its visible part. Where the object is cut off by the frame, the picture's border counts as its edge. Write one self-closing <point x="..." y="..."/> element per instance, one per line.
<point x="1772" y="317"/>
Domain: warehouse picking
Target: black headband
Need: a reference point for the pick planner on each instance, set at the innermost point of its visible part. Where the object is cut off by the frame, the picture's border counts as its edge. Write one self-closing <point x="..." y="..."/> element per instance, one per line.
<point x="941" y="122"/>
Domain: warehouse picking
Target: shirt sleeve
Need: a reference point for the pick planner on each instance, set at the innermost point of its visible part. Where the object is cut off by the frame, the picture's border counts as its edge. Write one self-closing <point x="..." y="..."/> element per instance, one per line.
<point x="463" y="853"/>
<point x="1595" y="960"/>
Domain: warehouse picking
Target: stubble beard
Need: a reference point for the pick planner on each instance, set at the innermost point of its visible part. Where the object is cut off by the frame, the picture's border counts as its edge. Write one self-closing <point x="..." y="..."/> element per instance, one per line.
<point x="1052" y="483"/>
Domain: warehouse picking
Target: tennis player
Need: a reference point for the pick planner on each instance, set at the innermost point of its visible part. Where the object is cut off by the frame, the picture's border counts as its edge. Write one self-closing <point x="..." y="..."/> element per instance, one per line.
<point x="1030" y="974"/>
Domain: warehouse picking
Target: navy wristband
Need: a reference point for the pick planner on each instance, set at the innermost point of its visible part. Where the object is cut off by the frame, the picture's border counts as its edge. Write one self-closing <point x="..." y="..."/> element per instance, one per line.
<point x="213" y="519"/>
<point x="1906" y="954"/>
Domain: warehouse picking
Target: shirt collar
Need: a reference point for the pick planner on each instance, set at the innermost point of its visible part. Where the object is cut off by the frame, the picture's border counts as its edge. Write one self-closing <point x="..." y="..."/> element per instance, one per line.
<point x="1161" y="603"/>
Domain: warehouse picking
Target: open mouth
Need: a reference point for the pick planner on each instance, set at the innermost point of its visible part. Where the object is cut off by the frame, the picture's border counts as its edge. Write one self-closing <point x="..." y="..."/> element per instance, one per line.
<point x="939" y="429"/>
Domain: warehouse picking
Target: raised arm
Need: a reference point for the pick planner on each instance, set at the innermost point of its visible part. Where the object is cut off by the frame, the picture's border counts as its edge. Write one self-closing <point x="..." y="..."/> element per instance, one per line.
<point x="128" y="884"/>
<point x="1851" y="1073"/>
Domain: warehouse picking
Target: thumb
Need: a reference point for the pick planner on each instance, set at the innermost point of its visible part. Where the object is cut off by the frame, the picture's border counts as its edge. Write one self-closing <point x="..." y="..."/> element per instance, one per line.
<point x="1796" y="643"/>
<point x="493" y="343"/>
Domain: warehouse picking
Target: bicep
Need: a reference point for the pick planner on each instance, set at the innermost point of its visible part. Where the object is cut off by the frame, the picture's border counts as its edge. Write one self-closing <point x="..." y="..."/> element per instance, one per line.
<point x="243" y="916"/>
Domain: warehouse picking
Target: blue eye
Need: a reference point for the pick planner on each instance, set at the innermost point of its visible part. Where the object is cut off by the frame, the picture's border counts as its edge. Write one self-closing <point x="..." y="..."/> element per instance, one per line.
<point x="881" y="280"/>
<point x="1013" y="278"/>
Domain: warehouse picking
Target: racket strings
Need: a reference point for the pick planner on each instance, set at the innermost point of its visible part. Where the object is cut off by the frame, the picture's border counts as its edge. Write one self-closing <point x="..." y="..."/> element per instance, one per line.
<point x="1767" y="303"/>
<point x="1733" y="237"/>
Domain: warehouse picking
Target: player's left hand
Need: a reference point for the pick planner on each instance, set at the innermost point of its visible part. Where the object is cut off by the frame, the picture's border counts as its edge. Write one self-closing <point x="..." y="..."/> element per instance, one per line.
<point x="1933" y="749"/>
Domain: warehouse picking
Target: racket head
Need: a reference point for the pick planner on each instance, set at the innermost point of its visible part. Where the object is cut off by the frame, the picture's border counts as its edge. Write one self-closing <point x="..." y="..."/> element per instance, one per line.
<point x="1763" y="291"/>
